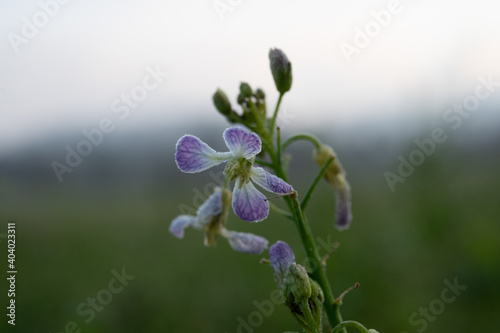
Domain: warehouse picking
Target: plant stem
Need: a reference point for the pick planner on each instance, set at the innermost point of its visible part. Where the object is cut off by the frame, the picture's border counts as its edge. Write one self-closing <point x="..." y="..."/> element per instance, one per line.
<point x="351" y="323"/>
<point x="307" y="137"/>
<point x="278" y="146"/>
<point x="275" y="115"/>
<point x="280" y="211"/>
<point x="315" y="182"/>
<point x="318" y="271"/>
<point x="264" y="163"/>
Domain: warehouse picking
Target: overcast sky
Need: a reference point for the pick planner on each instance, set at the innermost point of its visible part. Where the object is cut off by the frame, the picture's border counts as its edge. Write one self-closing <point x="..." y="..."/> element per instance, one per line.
<point x="67" y="73"/>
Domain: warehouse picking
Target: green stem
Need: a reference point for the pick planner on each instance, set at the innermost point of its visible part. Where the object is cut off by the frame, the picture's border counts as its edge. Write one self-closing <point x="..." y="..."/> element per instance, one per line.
<point x="280" y="211"/>
<point x="309" y="317"/>
<point x="278" y="148"/>
<point x="307" y="137"/>
<point x="258" y="121"/>
<point x="350" y="323"/>
<point x="275" y="115"/>
<point x="318" y="271"/>
<point x="264" y="163"/>
<point x="315" y="182"/>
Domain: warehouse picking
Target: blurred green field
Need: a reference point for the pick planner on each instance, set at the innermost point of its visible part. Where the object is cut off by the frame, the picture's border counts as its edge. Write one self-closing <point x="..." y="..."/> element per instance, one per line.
<point x="442" y="223"/>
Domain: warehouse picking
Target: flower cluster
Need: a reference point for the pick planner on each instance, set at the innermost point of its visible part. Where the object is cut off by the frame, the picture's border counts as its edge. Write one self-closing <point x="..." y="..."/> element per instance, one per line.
<point x="255" y="135"/>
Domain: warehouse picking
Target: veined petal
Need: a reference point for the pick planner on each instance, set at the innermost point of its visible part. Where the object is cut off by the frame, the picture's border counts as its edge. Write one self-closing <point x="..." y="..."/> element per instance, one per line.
<point x="246" y="242"/>
<point x="343" y="213"/>
<point x="269" y="182"/>
<point x="180" y="223"/>
<point x="242" y="143"/>
<point x="281" y="257"/>
<point x="248" y="203"/>
<point x="210" y="208"/>
<point x="193" y="155"/>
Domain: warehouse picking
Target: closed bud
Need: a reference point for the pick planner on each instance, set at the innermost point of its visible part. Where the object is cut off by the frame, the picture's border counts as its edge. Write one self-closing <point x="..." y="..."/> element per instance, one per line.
<point x="298" y="282"/>
<point x="241" y="99"/>
<point x="281" y="69"/>
<point x="245" y="90"/>
<point x="222" y="102"/>
<point x="321" y="155"/>
<point x="260" y="94"/>
<point x="317" y="292"/>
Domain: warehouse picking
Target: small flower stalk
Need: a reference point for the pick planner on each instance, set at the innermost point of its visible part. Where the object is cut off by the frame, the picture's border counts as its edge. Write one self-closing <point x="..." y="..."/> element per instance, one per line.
<point x="254" y="142"/>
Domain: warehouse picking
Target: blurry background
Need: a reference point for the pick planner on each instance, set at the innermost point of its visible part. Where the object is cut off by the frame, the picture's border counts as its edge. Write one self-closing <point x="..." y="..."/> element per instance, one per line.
<point x="66" y="67"/>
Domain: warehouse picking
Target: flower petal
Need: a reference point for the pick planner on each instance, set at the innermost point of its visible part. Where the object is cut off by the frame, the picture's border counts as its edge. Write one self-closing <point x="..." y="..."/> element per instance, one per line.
<point x="343" y="213"/>
<point x="193" y="155"/>
<point x="269" y="182"/>
<point x="210" y="208"/>
<point x="246" y="242"/>
<point x="281" y="257"/>
<point x="180" y="223"/>
<point x="248" y="203"/>
<point x="242" y="143"/>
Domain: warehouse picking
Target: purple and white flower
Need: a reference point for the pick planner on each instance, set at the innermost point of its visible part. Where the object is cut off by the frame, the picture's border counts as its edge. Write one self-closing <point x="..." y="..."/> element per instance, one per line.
<point x="211" y="217"/>
<point x="193" y="155"/>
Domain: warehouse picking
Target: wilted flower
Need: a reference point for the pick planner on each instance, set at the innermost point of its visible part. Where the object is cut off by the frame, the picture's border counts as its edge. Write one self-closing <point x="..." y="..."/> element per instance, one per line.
<point x="335" y="175"/>
<point x="193" y="155"/>
<point x="211" y="217"/>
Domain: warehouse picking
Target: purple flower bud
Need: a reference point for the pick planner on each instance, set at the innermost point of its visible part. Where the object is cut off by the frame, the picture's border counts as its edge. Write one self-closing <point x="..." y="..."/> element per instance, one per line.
<point x="335" y="175"/>
<point x="281" y="257"/>
<point x="343" y="213"/>
<point x="281" y="69"/>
